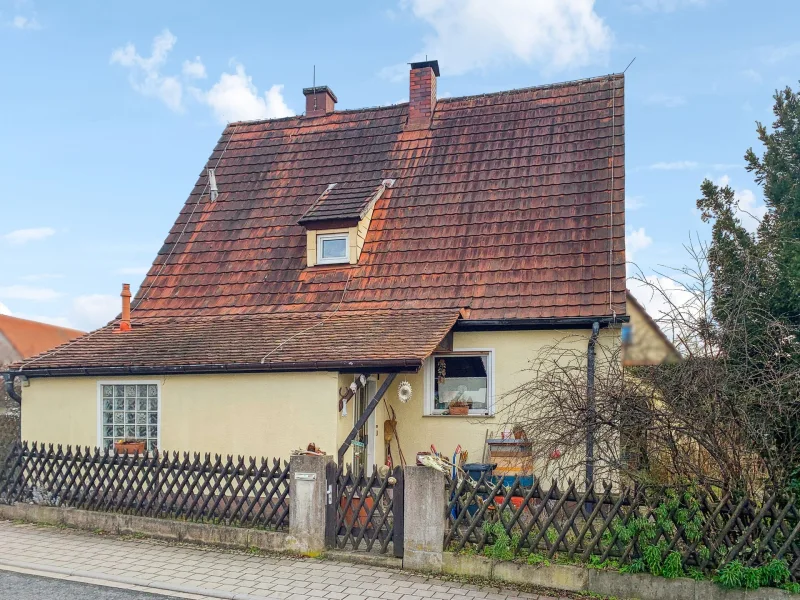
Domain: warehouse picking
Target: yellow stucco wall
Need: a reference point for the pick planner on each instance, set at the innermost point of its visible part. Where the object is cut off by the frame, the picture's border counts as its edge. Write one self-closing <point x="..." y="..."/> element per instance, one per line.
<point x="272" y="414"/>
<point x="648" y="346"/>
<point x="266" y="414"/>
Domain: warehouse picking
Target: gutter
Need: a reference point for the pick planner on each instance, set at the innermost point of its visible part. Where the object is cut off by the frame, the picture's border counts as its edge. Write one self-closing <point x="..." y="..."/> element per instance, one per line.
<point x="343" y="366"/>
<point x="546" y="323"/>
<point x="8" y="381"/>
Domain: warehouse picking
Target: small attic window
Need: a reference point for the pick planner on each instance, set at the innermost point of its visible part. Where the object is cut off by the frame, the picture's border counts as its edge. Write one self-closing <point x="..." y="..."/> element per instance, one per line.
<point x="332" y="248"/>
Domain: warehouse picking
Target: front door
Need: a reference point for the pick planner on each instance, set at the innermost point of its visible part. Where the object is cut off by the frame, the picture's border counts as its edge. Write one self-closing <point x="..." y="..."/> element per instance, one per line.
<point x="364" y="442"/>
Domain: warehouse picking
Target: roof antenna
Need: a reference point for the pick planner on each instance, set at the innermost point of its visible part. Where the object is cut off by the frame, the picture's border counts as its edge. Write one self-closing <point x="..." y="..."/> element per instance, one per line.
<point x="314" y="86"/>
<point x="212" y="185"/>
<point x="629" y="64"/>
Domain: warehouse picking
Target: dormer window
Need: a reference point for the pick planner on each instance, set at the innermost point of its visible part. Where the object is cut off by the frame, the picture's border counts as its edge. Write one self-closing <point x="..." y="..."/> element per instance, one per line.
<point x="333" y="248"/>
<point x="338" y="221"/>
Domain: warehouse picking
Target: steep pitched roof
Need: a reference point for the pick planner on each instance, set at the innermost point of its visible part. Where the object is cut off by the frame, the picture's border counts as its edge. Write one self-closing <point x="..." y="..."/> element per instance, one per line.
<point x="510" y="205"/>
<point x="28" y="338"/>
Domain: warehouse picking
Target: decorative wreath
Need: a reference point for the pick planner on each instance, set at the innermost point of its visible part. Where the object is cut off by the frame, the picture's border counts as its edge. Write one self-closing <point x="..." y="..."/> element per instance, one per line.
<point x="404" y="391"/>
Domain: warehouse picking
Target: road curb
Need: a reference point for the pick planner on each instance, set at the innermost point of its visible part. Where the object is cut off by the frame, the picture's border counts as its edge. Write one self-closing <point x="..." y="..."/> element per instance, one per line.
<point x="127" y="581"/>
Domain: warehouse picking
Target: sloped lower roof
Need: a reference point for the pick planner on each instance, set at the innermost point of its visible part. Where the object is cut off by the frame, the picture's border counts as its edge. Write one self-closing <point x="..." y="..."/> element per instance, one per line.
<point x="29" y="338"/>
<point x="255" y="343"/>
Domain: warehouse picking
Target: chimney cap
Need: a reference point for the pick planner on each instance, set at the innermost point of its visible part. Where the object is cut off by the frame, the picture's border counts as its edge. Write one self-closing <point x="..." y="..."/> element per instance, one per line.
<point x="433" y="64"/>
<point x="320" y="89"/>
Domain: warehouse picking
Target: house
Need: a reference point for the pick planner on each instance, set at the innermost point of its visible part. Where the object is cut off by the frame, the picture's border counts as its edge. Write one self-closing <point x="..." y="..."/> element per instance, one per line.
<point x="19" y="339"/>
<point x="643" y="341"/>
<point x="330" y="269"/>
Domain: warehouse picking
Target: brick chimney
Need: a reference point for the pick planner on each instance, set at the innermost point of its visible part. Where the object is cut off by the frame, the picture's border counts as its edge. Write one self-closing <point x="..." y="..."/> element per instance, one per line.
<point x="320" y="101"/>
<point x="422" y="94"/>
<point x="125" y="319"/>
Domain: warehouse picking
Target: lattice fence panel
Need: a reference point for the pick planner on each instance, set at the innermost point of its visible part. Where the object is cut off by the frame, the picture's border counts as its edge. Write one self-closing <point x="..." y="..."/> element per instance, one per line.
<point x="708" y="530"/>
<point x="365" y="513"/>
<point x="191" y="487"/>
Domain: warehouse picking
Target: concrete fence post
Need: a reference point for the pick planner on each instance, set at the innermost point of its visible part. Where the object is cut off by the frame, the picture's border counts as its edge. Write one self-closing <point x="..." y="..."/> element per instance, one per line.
<point x="308" y="502"/>
<point x="424" y="513"/>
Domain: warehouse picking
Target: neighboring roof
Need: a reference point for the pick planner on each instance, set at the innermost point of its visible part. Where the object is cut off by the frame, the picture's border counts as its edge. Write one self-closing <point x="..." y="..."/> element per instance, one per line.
<point x="671" y="350"/>
<point x="347" y="202"/>
<point x="28" y="338"/>
<point x="511" y="205"/>
<point x="340" y="341"/>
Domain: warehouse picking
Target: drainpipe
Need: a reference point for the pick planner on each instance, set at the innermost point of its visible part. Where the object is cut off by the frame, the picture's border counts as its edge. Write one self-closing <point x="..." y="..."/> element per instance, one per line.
<point x="590" y="368"/>
<point x="8" y="379"/>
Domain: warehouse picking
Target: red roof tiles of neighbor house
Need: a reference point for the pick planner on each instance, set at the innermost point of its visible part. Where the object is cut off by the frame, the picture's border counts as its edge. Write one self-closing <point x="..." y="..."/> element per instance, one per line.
<point x="28" y="338"/>
<point x="503" y="205"/>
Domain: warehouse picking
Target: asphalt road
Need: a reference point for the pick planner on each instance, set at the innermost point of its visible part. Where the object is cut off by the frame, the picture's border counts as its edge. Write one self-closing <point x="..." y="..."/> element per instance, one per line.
<point x="15" y="586"/>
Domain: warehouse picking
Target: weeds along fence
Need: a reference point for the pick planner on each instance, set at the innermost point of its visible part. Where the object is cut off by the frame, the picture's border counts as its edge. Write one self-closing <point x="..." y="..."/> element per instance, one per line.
<point x="648" y="529"/>
<point x="241" y="492"/>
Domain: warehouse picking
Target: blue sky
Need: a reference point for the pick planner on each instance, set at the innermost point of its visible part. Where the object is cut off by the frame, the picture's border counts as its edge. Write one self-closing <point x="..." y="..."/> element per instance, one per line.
<point x="110" y="109"/>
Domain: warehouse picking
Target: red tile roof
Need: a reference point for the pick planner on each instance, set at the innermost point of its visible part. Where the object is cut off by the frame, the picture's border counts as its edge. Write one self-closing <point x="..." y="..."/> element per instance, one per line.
<point x="29" y="338"/>
<point x="304" y="341"/>
<point x="510" y="204"/>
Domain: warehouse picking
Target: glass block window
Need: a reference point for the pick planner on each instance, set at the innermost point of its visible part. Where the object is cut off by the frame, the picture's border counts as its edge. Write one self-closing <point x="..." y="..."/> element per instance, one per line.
<point x="129" y="411"/>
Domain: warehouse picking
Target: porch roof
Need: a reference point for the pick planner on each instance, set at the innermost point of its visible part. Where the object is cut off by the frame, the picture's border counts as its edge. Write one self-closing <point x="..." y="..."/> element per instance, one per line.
<point x="386" y="340"/>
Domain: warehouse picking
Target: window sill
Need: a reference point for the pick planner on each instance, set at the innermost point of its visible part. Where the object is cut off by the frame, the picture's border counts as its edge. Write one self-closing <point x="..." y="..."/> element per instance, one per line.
<point x="473" y="415"/>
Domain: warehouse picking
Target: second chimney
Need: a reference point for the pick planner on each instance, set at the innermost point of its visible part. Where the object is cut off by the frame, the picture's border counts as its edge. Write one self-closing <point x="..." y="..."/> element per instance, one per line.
<point x="422" y="94"/>
<point x="125" y="318"/>
<point x="320" y="100"/>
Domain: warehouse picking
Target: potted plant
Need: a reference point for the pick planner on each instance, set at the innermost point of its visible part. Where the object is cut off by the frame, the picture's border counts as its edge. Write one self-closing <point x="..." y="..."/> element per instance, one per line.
<point x="459" y="407"/>
<point x="519" y="432"/>
<point x="129" y="446"/>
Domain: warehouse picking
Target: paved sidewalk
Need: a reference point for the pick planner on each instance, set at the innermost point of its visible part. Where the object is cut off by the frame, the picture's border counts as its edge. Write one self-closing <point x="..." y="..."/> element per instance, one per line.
<point x="217" y="573"/>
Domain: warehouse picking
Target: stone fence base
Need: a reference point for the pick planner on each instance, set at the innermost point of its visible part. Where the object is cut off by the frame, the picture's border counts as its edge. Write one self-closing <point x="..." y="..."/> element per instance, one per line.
<point x="561" y="577"/>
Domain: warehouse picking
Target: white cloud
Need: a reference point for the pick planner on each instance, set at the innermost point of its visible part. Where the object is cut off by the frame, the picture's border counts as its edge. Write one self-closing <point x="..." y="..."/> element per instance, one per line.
<point x="58" y="321"/>
<point x="751" y="210"/>
<point x="634" y="202"/>
<point x="235" y="98"/>
<point x="658" y="304"/>
<point x="775" y="54"/>
<point x="28" y="292"/>
<point x="23" y="236"/>
<point x="475" y="34"/>
<point x="23" y="22"/>
<point x="133" y="270"/>
<point x="666" y="100"/>
<point x="145" y="73"/>
<point x="194" y="69"/>
<point x="4" y="310"/>
<point x="678" y="165"/>
<point x="752" y="75"/>
<point x="666" y="5"/>
<point x="636" y="240"/>
<point x="41" y="276"/>
<point x="93" y="310"/>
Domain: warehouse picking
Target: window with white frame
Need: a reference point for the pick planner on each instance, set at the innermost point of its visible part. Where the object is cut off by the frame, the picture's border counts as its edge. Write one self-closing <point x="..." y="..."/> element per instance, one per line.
<point x="460" y="383"/>
<point x="333" y="248"/>
<point x="129" y="411"/>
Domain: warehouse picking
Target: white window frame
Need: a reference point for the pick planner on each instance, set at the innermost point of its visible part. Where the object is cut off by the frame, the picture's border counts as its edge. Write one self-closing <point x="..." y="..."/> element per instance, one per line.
<point x="429" y="371"/>
<point x="100" y="385"/>
<point x="323" y="237"/>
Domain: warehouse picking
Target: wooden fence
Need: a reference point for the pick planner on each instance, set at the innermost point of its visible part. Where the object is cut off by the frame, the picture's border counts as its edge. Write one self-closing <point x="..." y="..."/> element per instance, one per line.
<point x="238" y="492"/>
<point x="369" y="512"/>
<point x="707" y="529"/>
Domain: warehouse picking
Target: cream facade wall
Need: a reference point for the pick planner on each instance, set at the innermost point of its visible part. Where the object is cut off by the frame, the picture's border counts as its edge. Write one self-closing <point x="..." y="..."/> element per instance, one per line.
<point x="272" y="414"/>
<point x="514" y="353"/>
<point x="266" y="414"/>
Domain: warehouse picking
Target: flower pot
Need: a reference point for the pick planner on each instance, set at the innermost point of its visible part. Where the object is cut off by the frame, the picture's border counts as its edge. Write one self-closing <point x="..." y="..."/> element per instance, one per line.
<point x="516" y="501"/>
<point x="459" y="410"/>
<point x="129" y="447"/>
<point x="352" y="509"/>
